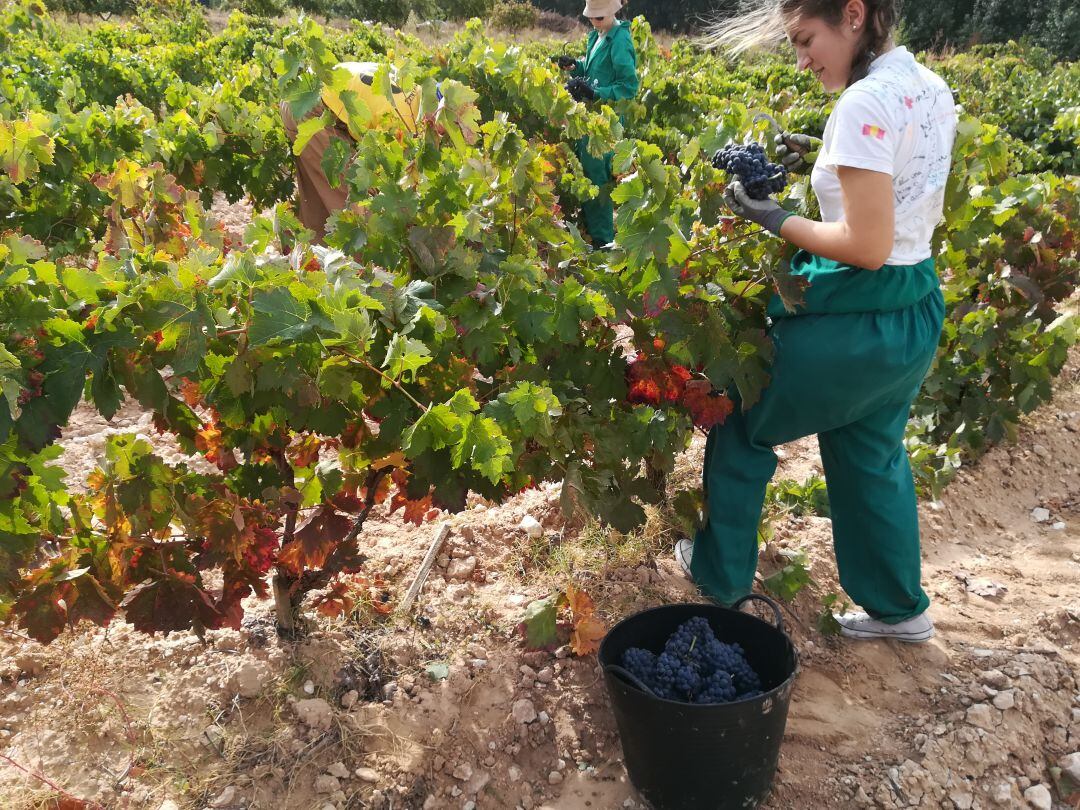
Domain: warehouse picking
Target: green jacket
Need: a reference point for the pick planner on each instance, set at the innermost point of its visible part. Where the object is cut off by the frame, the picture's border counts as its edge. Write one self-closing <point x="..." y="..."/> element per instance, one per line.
<point x="613" y="69"/>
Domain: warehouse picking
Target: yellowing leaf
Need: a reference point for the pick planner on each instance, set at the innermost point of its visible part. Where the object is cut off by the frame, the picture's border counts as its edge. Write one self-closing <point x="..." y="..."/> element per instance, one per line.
<point x="24" y="146"/>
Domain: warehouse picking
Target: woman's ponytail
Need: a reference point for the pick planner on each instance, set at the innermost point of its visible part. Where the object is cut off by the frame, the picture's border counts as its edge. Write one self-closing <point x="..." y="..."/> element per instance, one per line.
<point x="877" y="29"/>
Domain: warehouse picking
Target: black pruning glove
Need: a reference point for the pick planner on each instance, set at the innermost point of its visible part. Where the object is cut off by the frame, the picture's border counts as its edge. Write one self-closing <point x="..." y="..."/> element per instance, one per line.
<point x="581" y="89"/>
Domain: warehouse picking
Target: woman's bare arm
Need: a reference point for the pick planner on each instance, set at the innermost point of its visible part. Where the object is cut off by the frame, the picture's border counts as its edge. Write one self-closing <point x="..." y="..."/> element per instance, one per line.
<point x="864" y="238"/>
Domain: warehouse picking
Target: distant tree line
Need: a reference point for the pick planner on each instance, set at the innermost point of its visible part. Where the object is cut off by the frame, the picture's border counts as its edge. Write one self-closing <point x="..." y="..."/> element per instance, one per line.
<point x="1052" y="24"/>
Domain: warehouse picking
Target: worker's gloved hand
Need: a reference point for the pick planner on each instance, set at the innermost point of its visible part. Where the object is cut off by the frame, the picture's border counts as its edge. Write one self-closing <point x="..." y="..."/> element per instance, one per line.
<point x="767" y="213"/>
<point x="581" y="89"/>
<point x="564" y="61"/>
<point x="795" y="151"/>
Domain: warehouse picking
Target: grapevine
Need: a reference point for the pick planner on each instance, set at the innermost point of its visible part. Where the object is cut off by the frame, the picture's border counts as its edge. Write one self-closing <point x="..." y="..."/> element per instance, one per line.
<point x="453" y="338"/>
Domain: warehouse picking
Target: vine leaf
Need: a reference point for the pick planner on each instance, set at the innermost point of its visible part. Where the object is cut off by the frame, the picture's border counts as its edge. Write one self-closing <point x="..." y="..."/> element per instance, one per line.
<point x="24" y="146"/>
<point x="540" y="625"/>
<point x="790" y="286"/>
<point x="315" y="540"/>
<point x="587" y="629"/>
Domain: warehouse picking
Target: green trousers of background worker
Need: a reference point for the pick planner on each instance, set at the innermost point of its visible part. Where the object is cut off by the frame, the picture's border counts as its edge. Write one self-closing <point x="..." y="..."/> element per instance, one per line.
<point x="847" y="367"/>
<point x="599" y="212"/>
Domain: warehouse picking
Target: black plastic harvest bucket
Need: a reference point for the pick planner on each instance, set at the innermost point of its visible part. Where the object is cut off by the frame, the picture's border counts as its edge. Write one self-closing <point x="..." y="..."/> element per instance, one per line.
<point x="682" y="756"/>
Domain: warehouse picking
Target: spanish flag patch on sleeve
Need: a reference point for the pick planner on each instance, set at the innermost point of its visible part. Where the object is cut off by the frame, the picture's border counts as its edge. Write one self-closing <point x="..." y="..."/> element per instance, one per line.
<point x="874" y="131"/>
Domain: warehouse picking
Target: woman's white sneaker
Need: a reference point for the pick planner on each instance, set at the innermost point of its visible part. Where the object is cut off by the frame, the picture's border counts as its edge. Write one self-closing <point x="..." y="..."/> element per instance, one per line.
<point x="684" y="550"/>
<point x="860" y="625"/>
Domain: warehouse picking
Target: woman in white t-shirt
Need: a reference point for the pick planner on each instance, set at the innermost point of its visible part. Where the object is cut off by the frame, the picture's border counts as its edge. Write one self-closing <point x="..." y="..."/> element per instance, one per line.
<point x="850" y="361"/>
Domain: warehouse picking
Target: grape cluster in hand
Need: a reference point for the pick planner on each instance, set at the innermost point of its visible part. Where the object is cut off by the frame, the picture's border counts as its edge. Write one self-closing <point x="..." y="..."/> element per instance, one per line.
<point x="695" y="667"/>
<point x="759" y="177"/>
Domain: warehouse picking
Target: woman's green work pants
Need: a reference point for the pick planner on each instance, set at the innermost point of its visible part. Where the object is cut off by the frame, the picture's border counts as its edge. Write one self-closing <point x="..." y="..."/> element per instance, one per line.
<point x="847" y="367"/>
<point x="599" y="212"/>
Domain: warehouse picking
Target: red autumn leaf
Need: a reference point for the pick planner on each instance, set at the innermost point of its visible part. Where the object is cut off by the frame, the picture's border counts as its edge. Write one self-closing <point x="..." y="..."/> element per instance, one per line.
<point x="653" y="380"/>
<point x="587" y="630"/>
<point x="353" y="434"/>
<point x="239" y="533"/>
<point x="336" y="601"/>
<point x="230" y="606"/>
<point x="382" y="490"/>
<point x="259" y="554"/>
<point x="314" y="541"/>
<point x="191" y="393"/>
<point x="306" y="451"/>
<point x="645" y="392"/>
<point x="414" y="510"/>
<point x="172" y="604"/>
<point x="381" y="604"/>
<point x="707" y="407"/>
<point x="86" y="599"/>
<point x="41" y="613"/>
<point x="653" y="309"/>
<point x="208" y="442"/>
<point x="347" y="502"/>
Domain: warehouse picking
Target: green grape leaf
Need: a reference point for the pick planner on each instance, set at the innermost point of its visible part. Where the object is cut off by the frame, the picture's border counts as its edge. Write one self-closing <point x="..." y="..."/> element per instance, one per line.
<point x="404" y="356"/>
<point x="539" y="624"/>
<point x="279" y="316"/>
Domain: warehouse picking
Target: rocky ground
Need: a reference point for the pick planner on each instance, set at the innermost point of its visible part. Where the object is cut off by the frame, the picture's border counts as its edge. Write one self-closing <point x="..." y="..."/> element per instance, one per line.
<point x="359" y="714"/>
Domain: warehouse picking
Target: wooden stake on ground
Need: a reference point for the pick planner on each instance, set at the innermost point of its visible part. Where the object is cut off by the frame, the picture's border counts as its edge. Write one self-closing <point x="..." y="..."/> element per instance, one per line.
<point x="425" y="567"/>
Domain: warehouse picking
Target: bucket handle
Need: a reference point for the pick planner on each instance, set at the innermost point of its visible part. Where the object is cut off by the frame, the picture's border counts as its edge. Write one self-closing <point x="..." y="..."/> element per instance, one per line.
<point x="762" y="598"/>
<point x="629" y="677"/>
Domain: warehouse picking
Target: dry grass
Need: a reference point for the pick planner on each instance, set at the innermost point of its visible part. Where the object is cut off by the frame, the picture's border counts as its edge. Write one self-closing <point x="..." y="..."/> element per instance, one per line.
<point x="589" y="556"/>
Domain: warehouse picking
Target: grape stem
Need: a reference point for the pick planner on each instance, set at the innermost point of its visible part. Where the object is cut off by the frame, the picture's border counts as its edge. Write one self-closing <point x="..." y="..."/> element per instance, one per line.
<point x="386" y="377"/>
<point x="759" y="579"/>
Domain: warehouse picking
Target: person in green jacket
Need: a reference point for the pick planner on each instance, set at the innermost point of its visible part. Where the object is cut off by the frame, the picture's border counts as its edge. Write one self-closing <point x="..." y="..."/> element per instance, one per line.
<point x="607" y="73"/>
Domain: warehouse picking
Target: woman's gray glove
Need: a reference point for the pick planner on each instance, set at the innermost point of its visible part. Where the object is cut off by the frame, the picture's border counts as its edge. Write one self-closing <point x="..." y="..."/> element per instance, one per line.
<point x="767" y="213"/>
<point x="797" y="152"/>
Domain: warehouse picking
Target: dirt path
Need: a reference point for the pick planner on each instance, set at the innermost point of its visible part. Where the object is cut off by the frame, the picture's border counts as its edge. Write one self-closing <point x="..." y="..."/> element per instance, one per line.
<point x="907" y="712"/>
<point x="349" y="718"/>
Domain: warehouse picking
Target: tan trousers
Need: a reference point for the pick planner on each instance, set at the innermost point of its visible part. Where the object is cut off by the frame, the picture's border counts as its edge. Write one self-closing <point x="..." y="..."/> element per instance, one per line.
<point x="315" y="199"/>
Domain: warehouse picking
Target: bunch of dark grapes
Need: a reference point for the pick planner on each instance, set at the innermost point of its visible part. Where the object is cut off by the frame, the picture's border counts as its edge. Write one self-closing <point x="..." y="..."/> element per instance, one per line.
<point x="759" y="177"/>
<point x="718" y="688"/>
<point x="640" y="662"/>
<point x="695" y="667"/>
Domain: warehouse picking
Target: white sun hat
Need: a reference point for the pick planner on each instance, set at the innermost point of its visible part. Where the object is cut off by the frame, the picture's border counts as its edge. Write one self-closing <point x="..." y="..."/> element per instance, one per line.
<point x="601" y="8"/>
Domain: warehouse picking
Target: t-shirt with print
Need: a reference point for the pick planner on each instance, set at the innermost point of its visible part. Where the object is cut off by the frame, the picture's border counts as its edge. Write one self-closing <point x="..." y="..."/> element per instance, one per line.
<point x="900" y="119"/>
